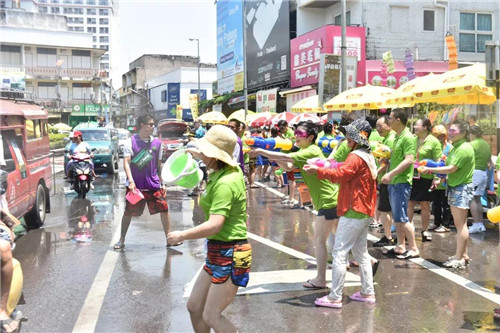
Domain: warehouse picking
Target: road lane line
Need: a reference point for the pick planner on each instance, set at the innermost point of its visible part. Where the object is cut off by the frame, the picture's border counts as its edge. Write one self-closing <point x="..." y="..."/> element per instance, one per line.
<point x="89" y="314"/>
<point x="443" y="272"/>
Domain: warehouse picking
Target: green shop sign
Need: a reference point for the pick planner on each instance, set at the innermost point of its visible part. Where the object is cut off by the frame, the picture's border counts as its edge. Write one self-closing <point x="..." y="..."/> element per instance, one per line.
<point x="88" y="109"/>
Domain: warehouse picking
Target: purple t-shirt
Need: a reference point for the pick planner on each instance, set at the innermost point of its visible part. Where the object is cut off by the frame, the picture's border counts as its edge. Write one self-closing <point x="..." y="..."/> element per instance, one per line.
<point x="146" y="178"/>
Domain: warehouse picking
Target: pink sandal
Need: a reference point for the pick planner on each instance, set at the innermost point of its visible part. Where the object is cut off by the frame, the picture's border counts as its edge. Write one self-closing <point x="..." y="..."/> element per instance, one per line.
<point x="360" y="298"/>
<point x="325" y="302"/>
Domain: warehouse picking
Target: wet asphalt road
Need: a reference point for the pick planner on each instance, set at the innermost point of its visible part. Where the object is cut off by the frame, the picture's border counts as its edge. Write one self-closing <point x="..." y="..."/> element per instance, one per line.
<point x="76" y="282"/>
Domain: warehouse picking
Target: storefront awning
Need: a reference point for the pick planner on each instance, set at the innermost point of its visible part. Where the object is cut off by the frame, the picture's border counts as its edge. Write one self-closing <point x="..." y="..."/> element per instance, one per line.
<point x="283" y="93"/>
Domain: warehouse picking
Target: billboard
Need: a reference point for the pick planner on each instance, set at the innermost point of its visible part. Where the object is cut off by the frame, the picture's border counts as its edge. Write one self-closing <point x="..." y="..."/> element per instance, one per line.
<point x="173" y="98"/>
<point x="203" y="93"/>
<point x="330" y="74"/>
<point x="229" y="43"/>
<point x="13" y="78"/>
<point x="306" y="49"/>
<point x="266" y="100"/>
<point x="268" y="41"/>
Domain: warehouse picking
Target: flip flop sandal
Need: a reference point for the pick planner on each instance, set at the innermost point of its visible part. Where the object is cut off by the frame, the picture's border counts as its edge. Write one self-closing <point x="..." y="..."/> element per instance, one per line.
<point x="408" y="255"/>
<point x="170" y="245"/>
<point x="310" y="285"/>
<point x="360" y="298"/>
<point x="8" y="322"/>
<point x="325" y="302"/>
<point x="392" y="252"/>
<point x="118" y="246"/>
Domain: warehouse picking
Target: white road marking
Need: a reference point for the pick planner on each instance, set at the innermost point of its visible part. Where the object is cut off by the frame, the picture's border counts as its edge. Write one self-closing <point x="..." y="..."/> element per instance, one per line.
<point x="447" y="274"/>
<point x="89" y="314"/>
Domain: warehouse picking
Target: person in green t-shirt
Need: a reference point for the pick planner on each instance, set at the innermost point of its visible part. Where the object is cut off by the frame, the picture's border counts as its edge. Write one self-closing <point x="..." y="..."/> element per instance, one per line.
<point x="460" y="166"/>
<point x="399" y="178"/>
<point x="428" y="148"/>
<point x="383" y="212"/>
<point x="323" y="193"/>
<point x="229" y="254"/>
<point x="440" y="206"/>
<point x="482" y="156"/>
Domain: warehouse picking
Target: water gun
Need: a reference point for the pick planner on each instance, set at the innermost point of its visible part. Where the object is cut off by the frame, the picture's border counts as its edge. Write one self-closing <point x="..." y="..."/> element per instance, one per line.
<point x="430" y="164"/>
<point x="379" y="150"/>
<point x="269" y="144"/>
<point x="246" y="149"/>
<point x="327" y="163"/>
<point x="328" y="143"/>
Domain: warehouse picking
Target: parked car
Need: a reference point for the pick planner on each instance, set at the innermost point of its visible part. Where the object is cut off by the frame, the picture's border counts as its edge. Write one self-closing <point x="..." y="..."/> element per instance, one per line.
<point x="105" y="140"/>
<point x="171" y="132"/>
<point x="123" y="136"/>
<point x="24" y="138"/>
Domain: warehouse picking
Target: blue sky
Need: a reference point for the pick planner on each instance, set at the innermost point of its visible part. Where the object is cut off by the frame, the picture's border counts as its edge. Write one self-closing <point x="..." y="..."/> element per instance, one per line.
<point x="164" y="27"/>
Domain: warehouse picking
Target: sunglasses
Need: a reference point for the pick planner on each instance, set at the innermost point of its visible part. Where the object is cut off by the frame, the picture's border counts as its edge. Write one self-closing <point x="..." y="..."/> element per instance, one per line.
<point x="300" y="133"/>
<point x="453" y="130"/>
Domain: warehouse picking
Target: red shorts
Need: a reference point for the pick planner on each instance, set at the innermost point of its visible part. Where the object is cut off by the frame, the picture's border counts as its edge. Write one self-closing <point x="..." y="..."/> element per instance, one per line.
<point x="290" y="175"/>
<point x="156" y="200"/>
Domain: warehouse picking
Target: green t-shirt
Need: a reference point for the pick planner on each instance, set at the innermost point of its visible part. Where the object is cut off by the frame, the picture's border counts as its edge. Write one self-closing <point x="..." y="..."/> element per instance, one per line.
<point x="461" y="156"/>
<point x="430" y="150"/>
<point x="323" y="192"/>
<point x="482" y="153"/>
<point x="340" y="154"/>
<point x="388" y="140"/>
<point x="356" y="215"/>
<point x="374" y="136"/>
<point x="497" y="167"/>
<point x="404" y="144"/>
<point x="225" y="195"/>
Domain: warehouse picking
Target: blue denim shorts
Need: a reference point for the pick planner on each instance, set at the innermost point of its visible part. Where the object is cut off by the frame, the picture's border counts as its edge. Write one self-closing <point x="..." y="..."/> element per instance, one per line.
<point x="460" y="196"/>
<point x="399" y="194"/>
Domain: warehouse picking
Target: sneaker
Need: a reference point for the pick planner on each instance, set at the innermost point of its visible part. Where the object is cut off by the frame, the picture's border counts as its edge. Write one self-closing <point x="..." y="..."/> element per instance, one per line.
<point x="441" y="229"/>
<point x="384" y="241"/>
<point x="455" y="263"/>
<point x="477" y="227"/>
<point x="374" y="224"/>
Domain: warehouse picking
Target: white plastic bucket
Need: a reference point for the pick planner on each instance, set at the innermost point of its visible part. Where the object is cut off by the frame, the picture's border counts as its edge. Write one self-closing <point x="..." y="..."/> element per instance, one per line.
<point x="181" y="169"/>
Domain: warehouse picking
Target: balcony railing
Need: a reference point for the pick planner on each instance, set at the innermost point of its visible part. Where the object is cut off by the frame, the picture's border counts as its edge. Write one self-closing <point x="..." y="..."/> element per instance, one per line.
<point x="72" y="73"/>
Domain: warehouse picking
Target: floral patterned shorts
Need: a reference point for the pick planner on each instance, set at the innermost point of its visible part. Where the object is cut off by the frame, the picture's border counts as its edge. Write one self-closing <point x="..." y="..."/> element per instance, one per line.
<point x="156" y="200"/>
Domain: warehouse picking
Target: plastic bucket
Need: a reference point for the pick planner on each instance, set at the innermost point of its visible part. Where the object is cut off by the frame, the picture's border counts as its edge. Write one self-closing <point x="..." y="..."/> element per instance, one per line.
<point x="181" y="169"/>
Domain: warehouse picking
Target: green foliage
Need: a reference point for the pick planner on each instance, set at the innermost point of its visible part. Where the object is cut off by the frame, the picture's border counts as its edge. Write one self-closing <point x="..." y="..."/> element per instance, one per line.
<point x="57" y="140"/>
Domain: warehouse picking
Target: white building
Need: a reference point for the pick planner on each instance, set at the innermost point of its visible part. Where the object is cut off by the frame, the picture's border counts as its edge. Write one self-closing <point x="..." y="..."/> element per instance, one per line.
<point x="95" y="17"/>
<point x="59" y="67"/>
<point x="187" y="77"/>
<point x="418" y="25"/>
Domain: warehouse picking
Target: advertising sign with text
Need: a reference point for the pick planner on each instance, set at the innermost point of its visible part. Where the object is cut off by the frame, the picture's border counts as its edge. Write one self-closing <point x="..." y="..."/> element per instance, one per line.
<point x="306" y="49"/>
<point x="266" y="100"/>
<point x="229" y="38"/>
<point x="330" y="69"/>
<point x="268" y="41"/>
<point x="173" y="97"/>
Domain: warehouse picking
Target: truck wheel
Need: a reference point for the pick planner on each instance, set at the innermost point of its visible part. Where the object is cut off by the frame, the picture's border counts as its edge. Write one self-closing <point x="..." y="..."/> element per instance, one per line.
<point x="36" y="217"/>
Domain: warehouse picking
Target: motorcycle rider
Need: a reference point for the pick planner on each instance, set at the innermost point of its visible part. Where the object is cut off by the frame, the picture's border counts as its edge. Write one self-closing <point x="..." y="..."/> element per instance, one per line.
<point x="78" y="146"/>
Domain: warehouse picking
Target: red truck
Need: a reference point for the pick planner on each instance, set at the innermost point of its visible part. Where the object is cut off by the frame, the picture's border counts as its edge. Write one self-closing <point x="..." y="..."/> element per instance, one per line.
<point x="171" y="132"/>
<point x="26" y="159"/>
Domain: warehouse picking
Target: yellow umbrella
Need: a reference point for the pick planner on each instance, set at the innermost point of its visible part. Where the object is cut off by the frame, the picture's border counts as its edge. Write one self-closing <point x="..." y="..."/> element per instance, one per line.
<point x="213" y="117"/>
<point x="466" y="85"/>
<point x="366" y="97"/>
<point x="404" y="94"/>
<point x="240" y="115"/>
<point x="308" y="105"/>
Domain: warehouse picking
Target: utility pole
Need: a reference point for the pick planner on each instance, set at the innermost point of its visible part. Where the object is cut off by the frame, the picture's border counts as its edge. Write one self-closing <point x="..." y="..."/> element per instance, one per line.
<point x="199" y="65"/>
<point x="492" y="61"/>
<point x="343" y="47"/>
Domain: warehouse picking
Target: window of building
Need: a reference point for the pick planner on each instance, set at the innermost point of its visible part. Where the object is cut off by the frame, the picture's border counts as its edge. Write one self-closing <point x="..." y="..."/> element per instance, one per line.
<point x="338" y="19"/>
<point x="68" y="10"/>
<point x="103" y="2"/>
<point x="429" y="23"/>
<point x="104" y="30"/>
<point x="91" y="29"/>
<point x="79" y="29"/>
<point x="475" y="30"/>
<point x="79" y="20"/>
<point x="3" y="4"/>
<point x="104" y="39"/>
<point x="105" y="57"/>
<point x="67" y="1"/>
<point x="46" y="89"/>
<point x="94" y="39"/>
<point x="54" y="1"/>
<point x="43" y="9"/>
<point x="78" y="2"/>
<point x="10" y="54"/>
<point x="104" y="66"/>
<point x="103" y="12"/>
<point x="81" y="90"/>
<point x="46" y="57"/>
<point x="42" y="1"/>
<point x="78" y="10"/>
<point x="104" y="47"/>
<point x="81" y="59"/>
<point x="54" y="10"/>
<point x="103" y="21"/>
<point x="90" y="2"/>
<point x="91" y="20"/>
<point x="163" y="95"/>
<point x="91" y="11"/>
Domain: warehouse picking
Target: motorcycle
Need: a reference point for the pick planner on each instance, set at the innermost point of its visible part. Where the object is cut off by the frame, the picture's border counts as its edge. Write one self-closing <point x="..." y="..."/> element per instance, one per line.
<point x="81" y="173"/>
